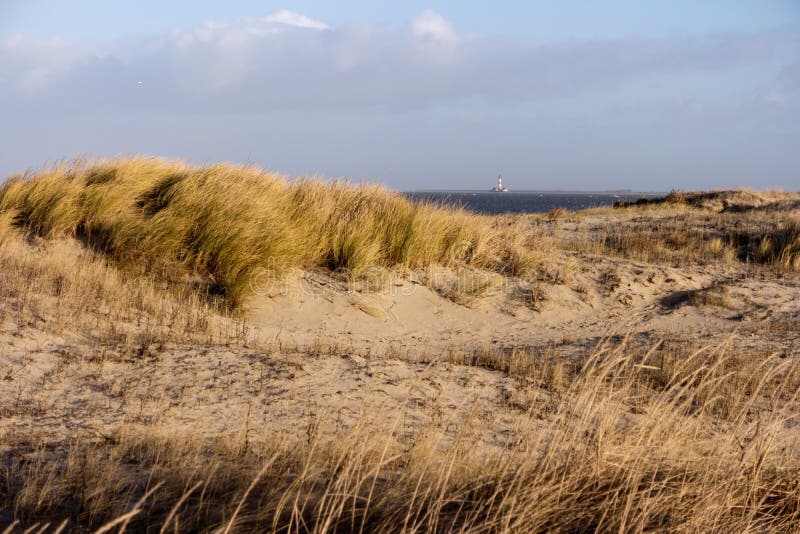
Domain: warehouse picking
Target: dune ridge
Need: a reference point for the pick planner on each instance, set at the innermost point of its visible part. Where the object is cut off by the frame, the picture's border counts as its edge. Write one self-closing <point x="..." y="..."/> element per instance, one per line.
<point x="224" y="221"/>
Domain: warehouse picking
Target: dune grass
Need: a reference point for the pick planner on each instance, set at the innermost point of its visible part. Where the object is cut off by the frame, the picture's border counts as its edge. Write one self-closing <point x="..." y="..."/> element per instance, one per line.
<point x="628" y="438"/>
<point x="782" y="246"/>
<point x="223" y="221"/>
<point x="663" y="234"/>
<point x="58" y="287"/>
<point x="627" y="442"/>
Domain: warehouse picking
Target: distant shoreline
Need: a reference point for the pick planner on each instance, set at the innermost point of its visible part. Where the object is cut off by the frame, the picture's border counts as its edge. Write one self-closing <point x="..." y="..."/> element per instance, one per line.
<point x="540" y="192"/>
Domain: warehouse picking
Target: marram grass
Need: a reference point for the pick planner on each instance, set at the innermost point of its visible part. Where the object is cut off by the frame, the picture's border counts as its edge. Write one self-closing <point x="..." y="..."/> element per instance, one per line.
<point x="782" y="247"/>
<point x="224" y="221"/>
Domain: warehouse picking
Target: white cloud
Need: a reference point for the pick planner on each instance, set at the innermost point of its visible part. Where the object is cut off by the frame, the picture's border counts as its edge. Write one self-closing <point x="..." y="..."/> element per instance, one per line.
<point x="284" y="62"/>
<point x="419" y="98"/>
<point x="431" y="25"/>
<point x="290" y="18"/>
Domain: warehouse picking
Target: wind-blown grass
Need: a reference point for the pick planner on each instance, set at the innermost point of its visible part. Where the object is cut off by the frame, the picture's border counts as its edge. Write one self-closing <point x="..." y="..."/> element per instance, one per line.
<point x="632" y="443"/>
<point x="782" y="247"/>
<point x="675" y="438"/>
<point x="223" y="221"/>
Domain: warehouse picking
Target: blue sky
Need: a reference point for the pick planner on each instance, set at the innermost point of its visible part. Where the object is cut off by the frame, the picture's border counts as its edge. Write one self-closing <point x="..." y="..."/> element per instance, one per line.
<point x="92" y="19"/>
<point x="555" y="95"/>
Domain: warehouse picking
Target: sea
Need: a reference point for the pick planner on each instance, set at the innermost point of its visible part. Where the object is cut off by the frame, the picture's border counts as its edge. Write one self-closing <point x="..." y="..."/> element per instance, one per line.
<point x="493" y="203"/>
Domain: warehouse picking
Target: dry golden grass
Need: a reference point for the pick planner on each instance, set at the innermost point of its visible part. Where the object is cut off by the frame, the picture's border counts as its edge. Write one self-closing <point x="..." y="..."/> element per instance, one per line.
<point x="781" y="247"/>
<point x="462" y="286"/>
<point x="222" y="222"/>
<point x="625" y="438"/>
<point x="627" y="441"/>
<point x="732" y="200"/>
<point x="370" y="307"/>
<point x="679" y="235"/>
<point x="55" y="286"/>
<point x="621" y="437"/>
<point x="670" y="240"/>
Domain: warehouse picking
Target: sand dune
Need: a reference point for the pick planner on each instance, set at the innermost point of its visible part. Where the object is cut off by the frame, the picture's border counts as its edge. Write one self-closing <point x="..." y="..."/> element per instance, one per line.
<point x="640" y="372"/>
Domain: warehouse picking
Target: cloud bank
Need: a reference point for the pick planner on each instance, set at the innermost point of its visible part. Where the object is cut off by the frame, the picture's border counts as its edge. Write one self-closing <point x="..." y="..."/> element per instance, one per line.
<point x="287" y="60"/>
<point x="287" y="63"/>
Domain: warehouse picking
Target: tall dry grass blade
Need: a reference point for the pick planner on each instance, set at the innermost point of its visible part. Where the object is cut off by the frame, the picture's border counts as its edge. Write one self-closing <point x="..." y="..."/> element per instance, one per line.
<point x="252" y="485"/>
<point x="121" y="519"/>
<point x="32" y="529"/>
<point x="124" y="519"/>
<point x="177" y="506"/>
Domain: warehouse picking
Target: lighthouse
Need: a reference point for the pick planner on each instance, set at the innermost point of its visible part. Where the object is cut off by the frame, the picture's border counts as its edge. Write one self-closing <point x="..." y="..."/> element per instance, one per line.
<point x="499" y="188"/>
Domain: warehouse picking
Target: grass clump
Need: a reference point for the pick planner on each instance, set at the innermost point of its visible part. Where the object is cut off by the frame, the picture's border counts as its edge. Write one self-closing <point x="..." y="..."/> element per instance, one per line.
<point x="637" y="245"/>
<point x="370" y="307"/>
<point x="557" y="213"/>
<point x="49" y="205"/>
<point x="781" y="248"/>
<point x="717" y="249"/>
<point x="464" y="286"/>
<point x="676" y="197"/>
<point x="220" y="223"/>
<point x="609" y="280"/>
<point x="714" y="295"/>
<point x="532" y="296"/>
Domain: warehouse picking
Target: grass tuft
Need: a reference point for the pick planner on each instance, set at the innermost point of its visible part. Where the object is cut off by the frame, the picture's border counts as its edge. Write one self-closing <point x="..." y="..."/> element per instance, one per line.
<point x="781" y="248"/>
<point x="714" y="295"/>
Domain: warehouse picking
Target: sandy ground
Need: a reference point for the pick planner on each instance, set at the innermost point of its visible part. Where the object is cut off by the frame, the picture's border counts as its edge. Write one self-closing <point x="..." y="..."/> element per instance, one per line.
<point x="321" y="358"/>
<point x="415" y="320"/>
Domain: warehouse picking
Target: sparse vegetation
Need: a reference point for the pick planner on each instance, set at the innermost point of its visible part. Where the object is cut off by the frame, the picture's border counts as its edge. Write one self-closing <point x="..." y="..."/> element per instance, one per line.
<point x="531" y="295"/>
<point x="463" y="286"/>
<point x="609" y="280"/>
<point x="713" y="295"/>
<point x="370" y="307"/>
<point x="677" y="197"/>
<point x="73" y="288"/>
<point x="781" y="248"/>
<point x="557" y="213"/>
<point x="716" y="248"/>
<point x="157" y="406"/>
<point x="628" y="440"/>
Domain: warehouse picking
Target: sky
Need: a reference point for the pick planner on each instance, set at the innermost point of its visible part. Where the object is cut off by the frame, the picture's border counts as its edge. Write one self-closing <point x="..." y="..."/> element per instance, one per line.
<point x="584" y="95"/>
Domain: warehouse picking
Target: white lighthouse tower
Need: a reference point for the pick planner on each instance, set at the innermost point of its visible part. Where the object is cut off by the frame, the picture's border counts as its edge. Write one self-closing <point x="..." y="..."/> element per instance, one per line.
<point x="499" y="188"/>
